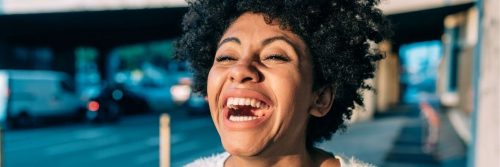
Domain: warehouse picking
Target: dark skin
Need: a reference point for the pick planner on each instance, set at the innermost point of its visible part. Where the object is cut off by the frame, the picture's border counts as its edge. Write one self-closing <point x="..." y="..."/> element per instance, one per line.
<point x="262" y="62"/>
<point x="335" y="31"/>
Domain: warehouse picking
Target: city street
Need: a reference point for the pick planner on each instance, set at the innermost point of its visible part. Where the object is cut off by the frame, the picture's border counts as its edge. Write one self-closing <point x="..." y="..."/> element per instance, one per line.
<point x="134" y="141"/>
<point x="102" y="72"/>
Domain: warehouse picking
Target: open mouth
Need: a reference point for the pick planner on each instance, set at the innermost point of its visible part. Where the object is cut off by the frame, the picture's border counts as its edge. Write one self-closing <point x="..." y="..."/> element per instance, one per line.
<point x="245" y="109"/>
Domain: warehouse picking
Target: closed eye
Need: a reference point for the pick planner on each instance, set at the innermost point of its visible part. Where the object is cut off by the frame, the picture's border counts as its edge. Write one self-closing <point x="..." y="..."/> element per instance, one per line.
<point x="277" y="57"/>
<point x="224" y="58"/>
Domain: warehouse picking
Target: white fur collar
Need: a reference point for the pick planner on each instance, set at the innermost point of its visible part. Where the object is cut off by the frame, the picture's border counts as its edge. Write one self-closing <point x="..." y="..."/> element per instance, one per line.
<point x="218" y="161"/>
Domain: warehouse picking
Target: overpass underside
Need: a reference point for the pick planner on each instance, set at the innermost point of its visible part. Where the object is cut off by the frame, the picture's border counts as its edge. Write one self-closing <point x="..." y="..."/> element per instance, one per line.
<point x="63" y="32"/>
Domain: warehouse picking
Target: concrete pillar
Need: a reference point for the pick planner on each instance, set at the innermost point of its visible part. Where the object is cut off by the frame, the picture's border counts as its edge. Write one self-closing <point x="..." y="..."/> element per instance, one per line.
<point x="487" y="132"/>
<point x="387" y="78"/>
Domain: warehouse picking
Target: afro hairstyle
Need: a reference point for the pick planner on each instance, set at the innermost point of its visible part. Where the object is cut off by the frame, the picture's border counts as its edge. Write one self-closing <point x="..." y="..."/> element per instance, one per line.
<point x="338" y="34"/>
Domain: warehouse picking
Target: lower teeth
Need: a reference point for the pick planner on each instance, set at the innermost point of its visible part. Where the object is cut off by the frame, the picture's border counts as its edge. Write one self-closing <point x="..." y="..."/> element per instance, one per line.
<point x="242" y="118"/>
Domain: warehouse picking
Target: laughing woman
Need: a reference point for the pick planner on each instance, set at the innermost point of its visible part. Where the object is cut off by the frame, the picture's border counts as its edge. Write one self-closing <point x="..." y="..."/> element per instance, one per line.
<point x="280" y="76"/>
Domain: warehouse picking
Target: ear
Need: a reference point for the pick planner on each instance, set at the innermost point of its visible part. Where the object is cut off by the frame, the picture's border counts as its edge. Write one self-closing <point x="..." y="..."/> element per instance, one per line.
<point x="323" y="101"/>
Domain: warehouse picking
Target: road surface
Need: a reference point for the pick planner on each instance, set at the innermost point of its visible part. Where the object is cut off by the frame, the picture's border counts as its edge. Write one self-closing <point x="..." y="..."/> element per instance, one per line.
<point x="134" y="141"/>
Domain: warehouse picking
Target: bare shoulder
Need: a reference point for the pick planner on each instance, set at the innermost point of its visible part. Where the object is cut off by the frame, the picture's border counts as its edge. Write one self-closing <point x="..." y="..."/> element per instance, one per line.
<point x="330" y="162"/>
<point x="325" y="159"/>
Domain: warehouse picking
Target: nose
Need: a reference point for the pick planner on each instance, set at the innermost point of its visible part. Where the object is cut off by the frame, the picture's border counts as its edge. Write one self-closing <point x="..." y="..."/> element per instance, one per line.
<point x="244" y="72"/>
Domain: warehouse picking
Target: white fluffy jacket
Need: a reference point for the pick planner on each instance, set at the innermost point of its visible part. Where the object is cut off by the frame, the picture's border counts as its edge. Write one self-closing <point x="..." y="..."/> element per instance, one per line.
<point x="218" y="161"/>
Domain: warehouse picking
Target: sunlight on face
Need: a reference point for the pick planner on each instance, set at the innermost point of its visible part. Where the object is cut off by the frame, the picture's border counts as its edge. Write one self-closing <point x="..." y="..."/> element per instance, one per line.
<point x="260" y="88"/>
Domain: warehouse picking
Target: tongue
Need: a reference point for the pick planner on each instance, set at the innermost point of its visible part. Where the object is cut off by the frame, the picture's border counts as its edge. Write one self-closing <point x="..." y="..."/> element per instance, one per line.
<point x="246" y="111"/>
<point x="243" y="111"/>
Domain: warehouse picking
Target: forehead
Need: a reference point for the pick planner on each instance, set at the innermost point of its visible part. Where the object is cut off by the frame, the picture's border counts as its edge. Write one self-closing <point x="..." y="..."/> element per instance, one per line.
<point x="253" y="25"/>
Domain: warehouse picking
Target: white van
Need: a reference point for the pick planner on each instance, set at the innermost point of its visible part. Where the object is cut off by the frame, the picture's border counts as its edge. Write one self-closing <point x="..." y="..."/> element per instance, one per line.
<point x="26" y="96"/>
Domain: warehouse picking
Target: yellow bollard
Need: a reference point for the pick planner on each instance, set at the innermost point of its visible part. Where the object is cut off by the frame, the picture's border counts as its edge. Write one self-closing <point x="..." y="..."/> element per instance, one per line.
<point x="164" y="140"/>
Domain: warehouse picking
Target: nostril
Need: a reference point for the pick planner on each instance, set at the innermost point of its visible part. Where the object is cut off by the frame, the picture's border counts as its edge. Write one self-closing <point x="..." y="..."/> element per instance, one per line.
<point x="246" y="79"/>
<point x="243" y="74"/>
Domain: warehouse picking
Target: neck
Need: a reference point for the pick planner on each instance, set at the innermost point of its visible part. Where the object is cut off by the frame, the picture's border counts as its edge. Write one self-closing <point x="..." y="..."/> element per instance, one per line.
<point x="299" y="158"/>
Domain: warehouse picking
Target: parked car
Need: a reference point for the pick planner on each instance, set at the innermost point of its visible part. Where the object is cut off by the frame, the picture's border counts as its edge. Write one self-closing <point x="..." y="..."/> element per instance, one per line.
<point x="183" y="95"/>
<point x="28" y="96"/>
<point x="165" y="90"/>
<point x="112" y="102"/>
<point x="156" y="89"/>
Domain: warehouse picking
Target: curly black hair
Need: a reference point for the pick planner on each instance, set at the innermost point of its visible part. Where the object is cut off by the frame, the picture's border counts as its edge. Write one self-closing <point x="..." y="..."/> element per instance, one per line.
<point x="338" y="34"/>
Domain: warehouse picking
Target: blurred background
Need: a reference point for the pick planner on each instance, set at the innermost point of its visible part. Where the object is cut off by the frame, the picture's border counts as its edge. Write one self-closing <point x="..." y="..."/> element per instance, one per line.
<point x="83" y="82"/>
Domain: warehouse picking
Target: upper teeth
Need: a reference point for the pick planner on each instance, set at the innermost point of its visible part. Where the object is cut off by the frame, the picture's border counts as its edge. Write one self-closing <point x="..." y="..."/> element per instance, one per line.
<point x="232" y="102"/>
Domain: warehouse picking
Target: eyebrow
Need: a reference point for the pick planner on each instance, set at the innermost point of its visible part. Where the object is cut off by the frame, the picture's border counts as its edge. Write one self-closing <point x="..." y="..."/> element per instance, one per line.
<point x="230" y="39"/>
<point x="265" y="42"/>
<point x="276" y="38"/>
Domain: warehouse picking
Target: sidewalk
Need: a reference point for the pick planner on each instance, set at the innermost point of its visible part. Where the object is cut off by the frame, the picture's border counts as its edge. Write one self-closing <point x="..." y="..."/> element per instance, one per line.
<point x="393" y="139"/>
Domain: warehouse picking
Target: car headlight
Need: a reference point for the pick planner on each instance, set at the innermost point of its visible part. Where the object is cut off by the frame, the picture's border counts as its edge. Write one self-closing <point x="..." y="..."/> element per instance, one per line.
<point x="180" y="93"/>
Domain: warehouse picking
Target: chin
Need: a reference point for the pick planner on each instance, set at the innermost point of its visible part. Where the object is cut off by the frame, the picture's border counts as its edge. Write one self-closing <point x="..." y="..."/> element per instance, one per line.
<point x="244" y="149"/>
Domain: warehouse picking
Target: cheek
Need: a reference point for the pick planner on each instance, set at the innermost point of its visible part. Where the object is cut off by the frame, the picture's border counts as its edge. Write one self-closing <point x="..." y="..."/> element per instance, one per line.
<point x="210" y="83"/>
<point x="293" y="104"/>
<point x="293" y="92"/>
<point x="288" y="84"/>
<point x="214" y="84"/>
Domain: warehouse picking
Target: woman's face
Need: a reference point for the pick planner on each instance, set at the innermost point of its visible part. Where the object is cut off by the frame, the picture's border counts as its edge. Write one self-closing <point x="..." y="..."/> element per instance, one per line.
<point x="260" y="88"/>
